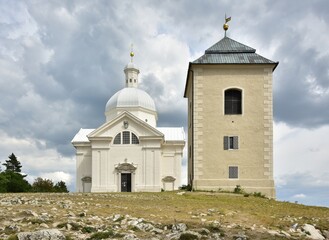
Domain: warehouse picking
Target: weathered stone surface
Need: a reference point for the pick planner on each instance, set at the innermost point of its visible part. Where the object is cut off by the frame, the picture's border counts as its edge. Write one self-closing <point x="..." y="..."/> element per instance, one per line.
<point x="312" y="232"/>
<point x="49" y="234"/>
<point x="30" y="217"/>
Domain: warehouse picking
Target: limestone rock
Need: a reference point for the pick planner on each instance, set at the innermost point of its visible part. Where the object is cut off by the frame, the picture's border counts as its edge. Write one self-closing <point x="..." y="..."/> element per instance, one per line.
<point x="180" y="227"/>
<point x="49" y="234"/>
<point x="312" y="232"/>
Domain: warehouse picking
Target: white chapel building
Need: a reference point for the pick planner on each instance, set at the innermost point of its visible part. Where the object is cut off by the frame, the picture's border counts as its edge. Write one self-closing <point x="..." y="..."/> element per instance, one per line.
<point x="129" y="153"/>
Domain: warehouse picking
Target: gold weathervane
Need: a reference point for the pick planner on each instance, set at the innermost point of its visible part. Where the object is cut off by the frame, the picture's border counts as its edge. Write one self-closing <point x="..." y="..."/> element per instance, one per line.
<point x="132" y="54"/>
<point x="226" y="26"/>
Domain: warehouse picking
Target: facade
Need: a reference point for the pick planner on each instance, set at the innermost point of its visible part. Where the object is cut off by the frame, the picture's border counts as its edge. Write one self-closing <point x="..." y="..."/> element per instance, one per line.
<point x="129" y="153"/>
<point x="230" y="114"/>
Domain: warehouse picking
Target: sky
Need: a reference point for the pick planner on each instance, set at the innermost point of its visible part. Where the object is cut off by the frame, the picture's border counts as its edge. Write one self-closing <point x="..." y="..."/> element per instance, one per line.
<point x="60" y="62"/>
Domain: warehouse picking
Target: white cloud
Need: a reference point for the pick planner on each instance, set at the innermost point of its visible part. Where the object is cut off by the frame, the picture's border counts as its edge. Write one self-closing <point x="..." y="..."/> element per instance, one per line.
<point x="300" y="195"/>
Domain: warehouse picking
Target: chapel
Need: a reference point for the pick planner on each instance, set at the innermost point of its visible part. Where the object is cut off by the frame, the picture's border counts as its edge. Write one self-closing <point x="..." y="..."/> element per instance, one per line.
<point x="129" y="152"/>
<point x="230" y="119"/>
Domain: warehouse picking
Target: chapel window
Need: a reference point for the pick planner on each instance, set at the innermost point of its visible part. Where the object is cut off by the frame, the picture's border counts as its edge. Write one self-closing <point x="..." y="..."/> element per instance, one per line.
<point x="134" y="139"/>
<point x="117" y="139"/>
<point x="233" y="101"/>
<point x="126" y="137"/>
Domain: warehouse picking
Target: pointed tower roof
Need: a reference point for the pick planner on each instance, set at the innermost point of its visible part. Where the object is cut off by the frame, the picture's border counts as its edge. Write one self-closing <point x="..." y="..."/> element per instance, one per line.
<point x="229" y="51"/>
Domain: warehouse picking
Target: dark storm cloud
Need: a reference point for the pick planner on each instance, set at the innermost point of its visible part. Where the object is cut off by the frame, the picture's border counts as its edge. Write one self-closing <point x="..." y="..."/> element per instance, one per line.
<point x="72" y="61"/>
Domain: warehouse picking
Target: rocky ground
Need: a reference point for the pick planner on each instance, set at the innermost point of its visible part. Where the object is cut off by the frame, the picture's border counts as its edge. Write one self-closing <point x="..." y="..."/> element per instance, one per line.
<point x="154" y="216"/>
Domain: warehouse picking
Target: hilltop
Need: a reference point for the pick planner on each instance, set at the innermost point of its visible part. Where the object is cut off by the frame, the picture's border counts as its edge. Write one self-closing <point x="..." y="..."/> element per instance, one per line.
<point x="165" y="215"/>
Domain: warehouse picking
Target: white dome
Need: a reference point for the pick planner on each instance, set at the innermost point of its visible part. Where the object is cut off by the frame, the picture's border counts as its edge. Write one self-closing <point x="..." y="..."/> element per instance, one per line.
<point x="130" y="97"/>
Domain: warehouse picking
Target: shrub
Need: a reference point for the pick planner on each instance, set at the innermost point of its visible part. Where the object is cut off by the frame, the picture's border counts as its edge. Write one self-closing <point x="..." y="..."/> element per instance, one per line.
<point x="238" y="189"/>
<point x="259" y="194"/>
<point x="88" y="229"/>
<point x="186" y="187"/>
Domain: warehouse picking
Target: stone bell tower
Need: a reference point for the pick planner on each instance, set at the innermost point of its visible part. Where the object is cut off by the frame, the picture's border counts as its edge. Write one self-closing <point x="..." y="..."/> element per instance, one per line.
<point x="230" y="119"/>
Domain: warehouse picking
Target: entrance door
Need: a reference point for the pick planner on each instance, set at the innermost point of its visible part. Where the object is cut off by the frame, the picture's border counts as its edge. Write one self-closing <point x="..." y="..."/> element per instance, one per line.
<point x="125" y="182"/>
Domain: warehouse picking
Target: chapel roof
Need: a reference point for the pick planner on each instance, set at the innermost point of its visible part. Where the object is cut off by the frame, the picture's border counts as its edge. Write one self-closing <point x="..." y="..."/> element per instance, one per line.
<point x="130" y="98"/>
<point x="81" y="136"/>
<point x="170" y="134"/>
<point x="229" y="51"/>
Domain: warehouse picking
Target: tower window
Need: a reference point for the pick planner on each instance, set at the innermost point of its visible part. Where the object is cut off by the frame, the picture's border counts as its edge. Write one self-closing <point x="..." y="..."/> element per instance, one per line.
<point x="233" y="172"/>
<point x="231" y="142"/>
<point x="233" y="101"/>
<point x="134" y="80"/>
<point x="130" y="80"/>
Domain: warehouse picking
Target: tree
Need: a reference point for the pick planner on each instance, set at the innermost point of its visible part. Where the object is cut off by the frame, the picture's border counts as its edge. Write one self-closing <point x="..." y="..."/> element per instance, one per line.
<point x="3" y="182"/>
<point x="12" y="164"/>
<point x="42" y="185"/>
<point x="11" y="180"/>
<point x="60" y="187"/>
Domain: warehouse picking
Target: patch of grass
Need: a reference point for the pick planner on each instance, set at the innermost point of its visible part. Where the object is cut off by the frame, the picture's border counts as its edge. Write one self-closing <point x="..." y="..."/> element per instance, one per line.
<point x="61" y="225"/>
<point x="68" y="237"/>
<point x="102" y="235"/>
<point x="187" y="236"/>
<point x="12" y="237"/>
<point x="88" y="229"/>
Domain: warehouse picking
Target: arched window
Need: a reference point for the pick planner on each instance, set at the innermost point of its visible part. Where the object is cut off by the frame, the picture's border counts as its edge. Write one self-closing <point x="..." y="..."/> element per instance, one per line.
<point x="126" y="137"/>
<point x="117" y="139"/>
<point x="233" y="101"/>
<point x="134" y="139"/>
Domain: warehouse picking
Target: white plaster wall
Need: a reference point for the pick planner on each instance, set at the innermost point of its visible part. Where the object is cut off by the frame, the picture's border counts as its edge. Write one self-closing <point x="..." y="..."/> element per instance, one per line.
<point x="83" y="166"/>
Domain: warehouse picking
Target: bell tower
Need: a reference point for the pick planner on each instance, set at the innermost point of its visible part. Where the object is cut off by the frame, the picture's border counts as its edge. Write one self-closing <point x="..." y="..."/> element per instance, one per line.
<point x="230" y="119"/>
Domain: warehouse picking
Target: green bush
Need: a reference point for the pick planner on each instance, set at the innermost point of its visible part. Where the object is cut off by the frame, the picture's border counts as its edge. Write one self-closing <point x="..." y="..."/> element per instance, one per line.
<point x="186" y="187"/>
<point x="238" y="189"/>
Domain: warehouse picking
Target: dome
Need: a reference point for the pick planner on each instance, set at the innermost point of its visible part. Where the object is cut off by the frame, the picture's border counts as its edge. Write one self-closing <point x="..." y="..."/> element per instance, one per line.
<point x="130" y="97"/>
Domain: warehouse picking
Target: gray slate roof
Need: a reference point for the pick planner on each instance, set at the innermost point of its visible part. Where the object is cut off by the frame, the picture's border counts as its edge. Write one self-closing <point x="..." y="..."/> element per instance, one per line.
<point x="229" y="51"/>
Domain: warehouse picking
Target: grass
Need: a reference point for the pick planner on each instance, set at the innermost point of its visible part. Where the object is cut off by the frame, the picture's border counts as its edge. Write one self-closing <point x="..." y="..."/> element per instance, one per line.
<point x="166" y="208"/>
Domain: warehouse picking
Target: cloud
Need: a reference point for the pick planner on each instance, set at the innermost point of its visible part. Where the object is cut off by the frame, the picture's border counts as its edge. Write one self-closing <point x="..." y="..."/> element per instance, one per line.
<point x="300" y="195"/>
<point x="304" y="187"/>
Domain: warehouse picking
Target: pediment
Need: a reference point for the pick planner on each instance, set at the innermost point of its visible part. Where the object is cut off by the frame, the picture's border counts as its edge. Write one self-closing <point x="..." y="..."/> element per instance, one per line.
<point x="125" y="167"/>
<point x="125" y="121"/>
<point x="168" y="179"/>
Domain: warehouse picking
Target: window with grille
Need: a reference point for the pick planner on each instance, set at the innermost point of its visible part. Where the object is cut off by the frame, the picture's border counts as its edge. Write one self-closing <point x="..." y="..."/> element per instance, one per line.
<point x="233" y="101"/>
<point x="134" y="139"/>
<point x="233" y="172"/>
<point x="126" y="137"/>
<point x="117" y="139"/>
<point x="231" y="142"/>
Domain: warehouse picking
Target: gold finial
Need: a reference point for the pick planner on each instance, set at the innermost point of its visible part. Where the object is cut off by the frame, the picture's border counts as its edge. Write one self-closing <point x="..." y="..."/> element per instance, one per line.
<point x="132" y="54"/>
<point x="226" y="26"/>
